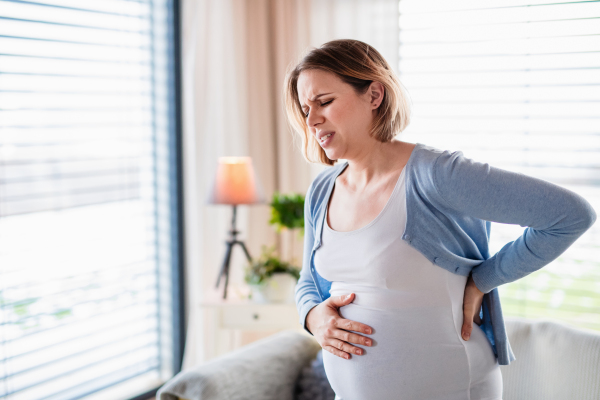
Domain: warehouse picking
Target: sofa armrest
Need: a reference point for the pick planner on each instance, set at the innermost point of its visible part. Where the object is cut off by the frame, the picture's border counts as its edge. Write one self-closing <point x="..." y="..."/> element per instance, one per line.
<point x="555" y="360"/>
<point x="266" y="369"/>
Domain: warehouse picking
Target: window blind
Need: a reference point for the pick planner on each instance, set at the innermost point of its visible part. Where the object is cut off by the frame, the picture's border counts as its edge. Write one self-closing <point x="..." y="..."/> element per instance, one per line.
<point x="88" y="199"/>
<point x="516" y="84"/>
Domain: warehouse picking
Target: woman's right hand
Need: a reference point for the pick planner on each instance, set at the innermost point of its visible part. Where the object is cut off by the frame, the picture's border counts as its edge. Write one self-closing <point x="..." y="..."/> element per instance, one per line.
<point x="331" y="330"/>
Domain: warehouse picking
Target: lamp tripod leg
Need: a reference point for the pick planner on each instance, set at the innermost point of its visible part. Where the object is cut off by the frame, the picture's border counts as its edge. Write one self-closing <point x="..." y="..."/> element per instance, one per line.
<point x="225" y="265"/>
<point x="226" y="281"/>
<point x="227" y="262"/>
<point x="245" y="250"/>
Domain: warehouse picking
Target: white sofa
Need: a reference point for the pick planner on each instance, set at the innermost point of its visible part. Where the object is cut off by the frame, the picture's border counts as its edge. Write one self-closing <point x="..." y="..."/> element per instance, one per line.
<point x="553" y="362"/>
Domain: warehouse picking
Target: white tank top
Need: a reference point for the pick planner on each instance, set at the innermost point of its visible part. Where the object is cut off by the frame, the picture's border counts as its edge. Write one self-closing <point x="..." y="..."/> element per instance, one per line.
<point x="415" y="310"/>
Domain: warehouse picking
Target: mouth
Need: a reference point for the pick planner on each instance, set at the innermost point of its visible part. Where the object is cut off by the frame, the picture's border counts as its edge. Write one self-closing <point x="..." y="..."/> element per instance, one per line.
<point x="324" y="138"/>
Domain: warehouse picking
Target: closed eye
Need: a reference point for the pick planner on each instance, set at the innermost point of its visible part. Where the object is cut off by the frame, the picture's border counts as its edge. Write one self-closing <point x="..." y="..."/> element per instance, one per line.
<point x="322" y="105"/>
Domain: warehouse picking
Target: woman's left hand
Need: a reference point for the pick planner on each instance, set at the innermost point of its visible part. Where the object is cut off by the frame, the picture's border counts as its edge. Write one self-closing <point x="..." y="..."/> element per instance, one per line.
<point x="471" y="306"/>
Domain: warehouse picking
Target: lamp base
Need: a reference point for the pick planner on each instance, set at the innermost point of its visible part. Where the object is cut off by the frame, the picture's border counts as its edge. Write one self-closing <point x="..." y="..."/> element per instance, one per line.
<point x="230" y="243"/>
<point x="225" y="266"/>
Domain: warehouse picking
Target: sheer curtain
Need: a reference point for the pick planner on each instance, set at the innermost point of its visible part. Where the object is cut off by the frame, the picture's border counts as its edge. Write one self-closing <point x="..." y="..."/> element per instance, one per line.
<point x="373" y="21"/>
<point x="234" y="57"/>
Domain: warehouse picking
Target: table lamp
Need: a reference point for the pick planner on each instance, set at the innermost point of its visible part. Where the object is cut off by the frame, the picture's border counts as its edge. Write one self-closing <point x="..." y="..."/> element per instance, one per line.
<point x="235" y="183"/>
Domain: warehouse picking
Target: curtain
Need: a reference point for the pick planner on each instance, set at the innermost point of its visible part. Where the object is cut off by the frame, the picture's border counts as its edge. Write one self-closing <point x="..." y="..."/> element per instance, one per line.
<point x="234" y="57"/>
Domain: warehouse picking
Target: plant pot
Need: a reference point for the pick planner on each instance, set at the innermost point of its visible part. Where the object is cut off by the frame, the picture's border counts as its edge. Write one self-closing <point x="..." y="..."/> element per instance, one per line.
<point x="279" y="288"/>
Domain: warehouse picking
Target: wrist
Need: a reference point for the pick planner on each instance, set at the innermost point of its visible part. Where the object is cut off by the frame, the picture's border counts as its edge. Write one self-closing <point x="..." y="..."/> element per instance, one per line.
<point x="471" y="282"/>
<point x="307" y="321"/>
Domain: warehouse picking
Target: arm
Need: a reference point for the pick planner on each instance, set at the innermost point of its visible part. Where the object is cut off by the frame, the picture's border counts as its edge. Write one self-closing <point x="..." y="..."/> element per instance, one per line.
<point x="554" y="216"/>
<point x="306" y="294"/>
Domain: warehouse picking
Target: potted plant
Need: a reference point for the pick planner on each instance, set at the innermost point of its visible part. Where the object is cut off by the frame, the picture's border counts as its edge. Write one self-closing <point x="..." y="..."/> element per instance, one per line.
<point x="287" y="213"/>
<point x="271" y="279"/>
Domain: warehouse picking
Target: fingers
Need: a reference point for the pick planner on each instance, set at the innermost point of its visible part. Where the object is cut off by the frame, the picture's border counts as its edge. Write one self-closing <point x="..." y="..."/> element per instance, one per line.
<point x="467" y="326"/>
<point x="338" y="338"/>
<point x="342" y="349"/>
<point x="468" y="320"/>
<point x="339" y="301"/>
<point x="348" y="337"/>
<point x="472" y="302"/>
<point x="349" y="325"/>
<point x="337" y="352"/>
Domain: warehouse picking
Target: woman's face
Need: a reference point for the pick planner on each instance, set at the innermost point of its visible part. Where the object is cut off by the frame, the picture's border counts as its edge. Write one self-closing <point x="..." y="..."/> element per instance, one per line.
<point x="331" y="106"/>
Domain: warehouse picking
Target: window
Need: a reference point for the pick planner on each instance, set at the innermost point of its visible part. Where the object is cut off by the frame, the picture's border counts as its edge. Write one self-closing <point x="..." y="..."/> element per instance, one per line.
<point x="516" y="84"/>
<point x="90" y="219"/>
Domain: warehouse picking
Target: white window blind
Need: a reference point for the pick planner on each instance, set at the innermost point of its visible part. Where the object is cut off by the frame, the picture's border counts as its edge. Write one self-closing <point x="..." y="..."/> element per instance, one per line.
<point x="88" y="222"/>
<point x="516" y="84"/>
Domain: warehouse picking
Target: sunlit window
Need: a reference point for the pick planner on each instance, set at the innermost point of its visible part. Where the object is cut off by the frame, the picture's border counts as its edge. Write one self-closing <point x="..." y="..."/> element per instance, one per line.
<point x="88" y="194"/>
<point x="516" y="84"/>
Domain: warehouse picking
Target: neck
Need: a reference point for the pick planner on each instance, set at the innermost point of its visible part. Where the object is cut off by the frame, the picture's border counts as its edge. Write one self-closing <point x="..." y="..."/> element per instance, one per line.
<point x="374" y="164"/>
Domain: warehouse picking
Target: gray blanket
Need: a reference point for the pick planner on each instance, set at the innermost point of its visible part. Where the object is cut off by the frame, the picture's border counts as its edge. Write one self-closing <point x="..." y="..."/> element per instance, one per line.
<point x="267" y="369"/>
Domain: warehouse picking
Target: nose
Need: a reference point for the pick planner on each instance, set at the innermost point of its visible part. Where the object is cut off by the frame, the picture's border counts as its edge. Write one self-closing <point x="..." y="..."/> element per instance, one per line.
<point x="314" y="118"/>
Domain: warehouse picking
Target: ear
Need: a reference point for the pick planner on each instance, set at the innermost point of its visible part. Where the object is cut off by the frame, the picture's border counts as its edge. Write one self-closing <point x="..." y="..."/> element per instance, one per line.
<point x="376" y="92"/>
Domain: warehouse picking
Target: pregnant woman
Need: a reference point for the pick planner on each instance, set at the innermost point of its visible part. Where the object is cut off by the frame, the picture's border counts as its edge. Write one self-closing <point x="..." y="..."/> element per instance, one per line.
<point x="397" y="283"/>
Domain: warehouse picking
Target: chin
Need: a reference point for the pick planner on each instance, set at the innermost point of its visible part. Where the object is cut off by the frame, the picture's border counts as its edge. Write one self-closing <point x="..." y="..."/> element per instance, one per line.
<point x="331" y="155"/>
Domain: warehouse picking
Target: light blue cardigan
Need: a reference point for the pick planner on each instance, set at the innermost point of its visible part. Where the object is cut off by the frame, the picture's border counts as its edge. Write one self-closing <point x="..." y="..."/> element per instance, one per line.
<point x="451" y="200"/>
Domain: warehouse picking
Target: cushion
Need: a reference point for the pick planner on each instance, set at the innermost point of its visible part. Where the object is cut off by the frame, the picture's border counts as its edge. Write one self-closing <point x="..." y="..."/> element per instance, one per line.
<point x="312" y="384"/>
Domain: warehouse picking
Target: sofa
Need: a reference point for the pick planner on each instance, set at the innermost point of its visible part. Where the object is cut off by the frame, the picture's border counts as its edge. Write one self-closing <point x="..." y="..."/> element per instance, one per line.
<point x="553" y="362"/>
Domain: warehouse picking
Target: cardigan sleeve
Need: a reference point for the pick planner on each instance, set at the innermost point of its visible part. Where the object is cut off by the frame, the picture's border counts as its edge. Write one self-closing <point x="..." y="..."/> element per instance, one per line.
<point x="554" y="216"/>
<point x="306" y="294"/>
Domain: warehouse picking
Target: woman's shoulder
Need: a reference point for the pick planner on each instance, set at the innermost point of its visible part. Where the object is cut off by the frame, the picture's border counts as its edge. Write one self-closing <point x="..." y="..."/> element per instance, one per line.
<point x="328" y="174"/>
<point x="426" y="151"/>
<point x="426" y="158"/>
<point x="317" y="191"/>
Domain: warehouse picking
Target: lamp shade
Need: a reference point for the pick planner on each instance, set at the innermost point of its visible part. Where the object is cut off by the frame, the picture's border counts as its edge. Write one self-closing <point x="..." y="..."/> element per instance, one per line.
<point x="235" y="183"/>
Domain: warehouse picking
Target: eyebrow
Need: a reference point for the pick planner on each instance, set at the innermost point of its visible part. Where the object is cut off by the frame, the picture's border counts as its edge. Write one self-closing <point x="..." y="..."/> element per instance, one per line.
<point x="315" y="98"/>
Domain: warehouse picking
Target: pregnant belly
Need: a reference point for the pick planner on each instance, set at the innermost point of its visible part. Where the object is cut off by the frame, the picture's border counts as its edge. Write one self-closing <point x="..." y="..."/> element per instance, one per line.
<point x="416" y="354"/>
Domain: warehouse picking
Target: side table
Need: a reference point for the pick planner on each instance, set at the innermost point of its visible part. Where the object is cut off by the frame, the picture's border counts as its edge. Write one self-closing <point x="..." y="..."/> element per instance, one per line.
<point x="228" y="322"/>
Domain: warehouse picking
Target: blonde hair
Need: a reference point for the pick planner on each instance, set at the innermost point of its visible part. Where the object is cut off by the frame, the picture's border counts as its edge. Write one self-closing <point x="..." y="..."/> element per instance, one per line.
<point x="357" y="64"/>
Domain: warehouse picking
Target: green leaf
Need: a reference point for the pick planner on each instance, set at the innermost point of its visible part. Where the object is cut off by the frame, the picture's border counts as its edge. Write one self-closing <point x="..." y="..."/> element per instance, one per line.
<point x="287" y="211"/>
<point x="259" y="270"/>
